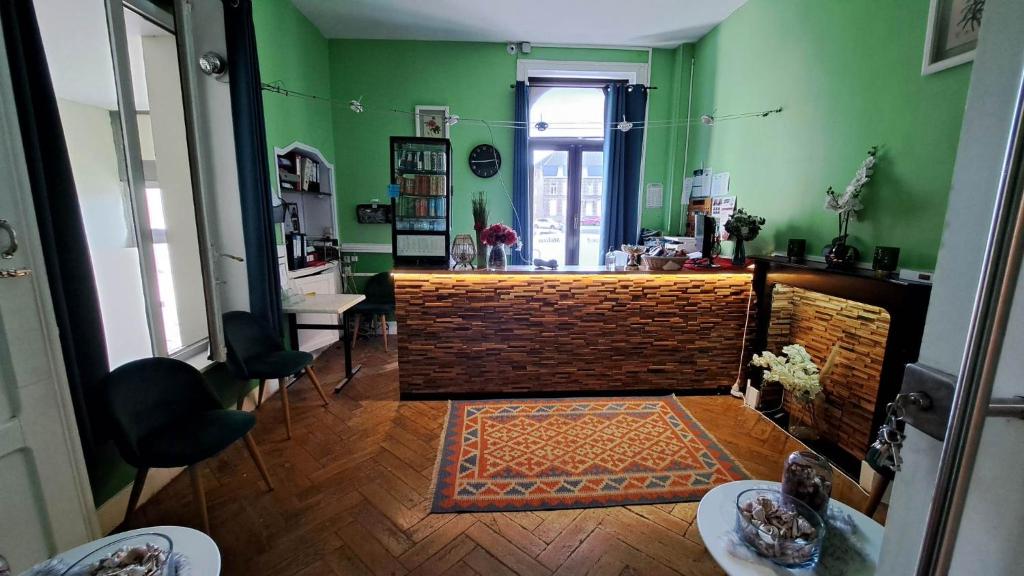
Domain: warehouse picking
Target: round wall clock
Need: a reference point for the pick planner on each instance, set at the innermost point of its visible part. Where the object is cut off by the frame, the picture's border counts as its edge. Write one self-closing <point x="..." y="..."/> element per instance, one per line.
<point x="484" y="160"/>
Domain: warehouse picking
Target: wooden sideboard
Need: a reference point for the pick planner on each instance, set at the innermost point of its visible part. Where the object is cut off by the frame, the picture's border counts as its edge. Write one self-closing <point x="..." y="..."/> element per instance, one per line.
<point x="877" y="323"/>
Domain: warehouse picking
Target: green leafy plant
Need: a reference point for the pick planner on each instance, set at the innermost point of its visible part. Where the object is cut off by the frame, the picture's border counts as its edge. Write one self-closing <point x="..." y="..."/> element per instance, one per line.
<point x="479" y="211"/>
<point x="743" y="225"/>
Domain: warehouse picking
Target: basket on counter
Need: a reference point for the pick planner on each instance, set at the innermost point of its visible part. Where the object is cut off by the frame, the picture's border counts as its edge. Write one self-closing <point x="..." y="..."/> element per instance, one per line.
<point x="663" y="263"/>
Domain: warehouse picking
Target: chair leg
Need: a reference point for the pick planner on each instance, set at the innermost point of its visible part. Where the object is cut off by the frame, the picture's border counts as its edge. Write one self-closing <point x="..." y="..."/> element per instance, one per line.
<point x="250" y="444"/>
<point x="355" y="333"/>
<point x="133" y="499"/>
<point x="259" y="394"/>
<point x="316" y="383"/>
<point x="240" y="402"/>
<point x="200" y="495"/>
<point x="287" y="410"/>
<point x="878" y="487"/>
<point x="384" y="330"/>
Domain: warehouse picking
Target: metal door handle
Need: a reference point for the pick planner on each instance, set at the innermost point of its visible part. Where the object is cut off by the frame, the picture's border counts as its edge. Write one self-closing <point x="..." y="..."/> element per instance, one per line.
<point x="12" y="247"/>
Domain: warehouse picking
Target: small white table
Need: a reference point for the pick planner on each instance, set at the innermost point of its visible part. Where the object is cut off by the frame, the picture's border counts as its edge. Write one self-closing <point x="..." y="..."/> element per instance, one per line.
<point x="336" y="304"/>
<point x="200" y="550"/>
<point x="716" y="517"/>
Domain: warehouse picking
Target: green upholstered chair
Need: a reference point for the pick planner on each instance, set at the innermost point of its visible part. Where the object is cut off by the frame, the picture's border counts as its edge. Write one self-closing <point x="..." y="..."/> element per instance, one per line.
<point x="380" y="301"/>
<point x="256" y="353"/>
<point x="165" y="416"/>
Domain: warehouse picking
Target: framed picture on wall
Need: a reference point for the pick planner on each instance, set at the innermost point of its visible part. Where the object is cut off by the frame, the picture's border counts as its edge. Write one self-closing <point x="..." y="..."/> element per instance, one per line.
<point x="430" y="121"/>
<point x="952" y="33"/>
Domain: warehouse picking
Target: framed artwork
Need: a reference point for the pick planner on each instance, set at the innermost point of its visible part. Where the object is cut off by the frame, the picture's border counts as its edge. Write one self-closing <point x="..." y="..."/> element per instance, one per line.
<point x="430" y="121"/>
<point x="952" y="34"/>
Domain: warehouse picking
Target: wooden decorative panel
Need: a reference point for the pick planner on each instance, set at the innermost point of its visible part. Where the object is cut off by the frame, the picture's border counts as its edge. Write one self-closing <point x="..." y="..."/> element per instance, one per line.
<point x="504" y="334"/>
<point x="818" y="321"/>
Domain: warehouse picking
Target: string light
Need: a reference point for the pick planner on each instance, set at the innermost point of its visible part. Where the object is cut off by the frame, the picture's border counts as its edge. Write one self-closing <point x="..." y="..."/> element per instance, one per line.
<point x="357" y="107"/>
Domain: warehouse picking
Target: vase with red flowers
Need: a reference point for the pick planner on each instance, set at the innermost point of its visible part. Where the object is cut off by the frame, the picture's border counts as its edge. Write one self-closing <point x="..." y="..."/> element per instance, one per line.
<point x="497" y="237"/>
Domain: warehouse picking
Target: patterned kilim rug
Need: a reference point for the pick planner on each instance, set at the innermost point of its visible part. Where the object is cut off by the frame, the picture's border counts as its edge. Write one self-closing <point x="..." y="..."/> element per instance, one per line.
<point x="575" y="453"/>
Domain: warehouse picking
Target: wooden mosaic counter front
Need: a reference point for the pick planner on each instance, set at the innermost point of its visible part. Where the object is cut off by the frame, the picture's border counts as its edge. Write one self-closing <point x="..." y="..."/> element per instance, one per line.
<point x="523" y="332"/>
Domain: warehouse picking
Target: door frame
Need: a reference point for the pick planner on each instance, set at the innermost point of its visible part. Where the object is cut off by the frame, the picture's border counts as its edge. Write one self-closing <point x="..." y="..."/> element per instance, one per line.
<point x="574" y="149"/>
<point x="71" y="515"/>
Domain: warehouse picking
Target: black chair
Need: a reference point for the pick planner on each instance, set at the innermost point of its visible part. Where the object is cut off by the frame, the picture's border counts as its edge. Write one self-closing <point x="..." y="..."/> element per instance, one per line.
<point x="165" y="416"/>
<point x="380" y="301"/>
<point x="256" y="353"/>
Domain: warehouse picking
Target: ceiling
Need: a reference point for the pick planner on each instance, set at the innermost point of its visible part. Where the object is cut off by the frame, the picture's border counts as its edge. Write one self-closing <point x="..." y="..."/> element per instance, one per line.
<point x="647" y="23"/>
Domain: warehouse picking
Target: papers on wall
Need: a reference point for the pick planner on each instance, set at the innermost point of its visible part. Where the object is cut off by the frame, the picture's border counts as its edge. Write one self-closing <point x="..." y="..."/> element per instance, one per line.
<point x="722" y="208"/>
<point x="655" y="195"/>
<point x="700" y="186"/>
<point x="406" y="245"/>
<point x="720" y="184"/>
<point x="687" y="190"/>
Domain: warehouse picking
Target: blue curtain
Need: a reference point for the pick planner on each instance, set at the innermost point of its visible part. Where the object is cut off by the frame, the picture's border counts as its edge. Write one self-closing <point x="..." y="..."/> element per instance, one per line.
<point x="623" y="155"/>
<point x="253" y="164"/>
<point x="69" y="271"/>
<point x="521" y="173"/>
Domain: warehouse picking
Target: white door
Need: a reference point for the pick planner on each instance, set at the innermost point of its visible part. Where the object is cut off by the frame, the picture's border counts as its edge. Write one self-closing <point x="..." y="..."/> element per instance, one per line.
<point x="987" y="541"/>
<point x="45" y="502"/>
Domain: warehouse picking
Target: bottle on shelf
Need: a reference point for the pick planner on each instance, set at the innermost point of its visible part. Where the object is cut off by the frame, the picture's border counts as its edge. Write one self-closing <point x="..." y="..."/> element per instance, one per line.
<point x="609" y="259"/>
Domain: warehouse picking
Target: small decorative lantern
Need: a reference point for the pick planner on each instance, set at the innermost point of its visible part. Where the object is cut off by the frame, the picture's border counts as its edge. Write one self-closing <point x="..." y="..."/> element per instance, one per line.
<point x="633" y="252"/>
<point x="795" y="249"/>
<point x="886" y="260"/>
<point x="464" y="251"/>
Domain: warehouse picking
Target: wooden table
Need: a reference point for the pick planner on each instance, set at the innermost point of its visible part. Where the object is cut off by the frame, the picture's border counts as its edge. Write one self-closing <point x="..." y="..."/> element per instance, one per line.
<point x="336" y="304"/>
<point x="198" y="548"/>
<point x="716" y="516"/>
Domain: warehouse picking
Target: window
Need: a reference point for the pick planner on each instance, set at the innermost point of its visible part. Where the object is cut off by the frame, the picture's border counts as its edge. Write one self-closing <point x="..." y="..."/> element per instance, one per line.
<point x="568" y="170"/>
<point x="130" y="161"/>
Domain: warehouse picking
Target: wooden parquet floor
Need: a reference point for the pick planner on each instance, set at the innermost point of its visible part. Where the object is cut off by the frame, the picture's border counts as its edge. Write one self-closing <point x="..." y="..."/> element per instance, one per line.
<point x="352" y="490"/>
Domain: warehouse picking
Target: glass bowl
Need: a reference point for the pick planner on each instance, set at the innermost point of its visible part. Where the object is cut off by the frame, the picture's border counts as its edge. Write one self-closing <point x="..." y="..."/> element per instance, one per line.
<point x="764" y="538"/>
<point x="163" y="542"/>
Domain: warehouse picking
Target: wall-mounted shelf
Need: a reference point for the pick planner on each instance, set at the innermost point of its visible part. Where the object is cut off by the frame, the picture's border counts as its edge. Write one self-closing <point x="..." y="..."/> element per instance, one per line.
<point x="305" y="184"/>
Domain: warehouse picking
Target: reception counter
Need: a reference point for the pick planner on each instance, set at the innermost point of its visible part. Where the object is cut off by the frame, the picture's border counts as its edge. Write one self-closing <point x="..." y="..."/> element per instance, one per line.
<point x="523" y="331"/>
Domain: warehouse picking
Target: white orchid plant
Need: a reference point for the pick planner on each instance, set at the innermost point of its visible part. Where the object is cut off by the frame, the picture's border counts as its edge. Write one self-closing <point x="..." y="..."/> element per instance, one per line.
<point x="794" y="370"/>
<point x="848" y="204"/>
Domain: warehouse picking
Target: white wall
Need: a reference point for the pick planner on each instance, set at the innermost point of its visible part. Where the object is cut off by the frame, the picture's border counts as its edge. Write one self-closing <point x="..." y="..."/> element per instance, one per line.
<point x="116" y="265"/>
<point x="170" y="145"/>
<point x="217" y="138"/>
<point x="995" y="504"/>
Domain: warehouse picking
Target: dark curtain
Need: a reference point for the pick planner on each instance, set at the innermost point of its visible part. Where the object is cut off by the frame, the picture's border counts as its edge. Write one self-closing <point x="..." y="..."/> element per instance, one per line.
<point x="623" y="156"/>
<point x="253" y="164"/>
<point x="59" y="219"/>
<point x="521" y="172"/>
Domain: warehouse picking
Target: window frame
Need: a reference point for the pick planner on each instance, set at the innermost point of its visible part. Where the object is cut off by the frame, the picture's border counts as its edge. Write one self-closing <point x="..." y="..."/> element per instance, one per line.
<point x="574" y="148"/>
<point x="178" y="24"/>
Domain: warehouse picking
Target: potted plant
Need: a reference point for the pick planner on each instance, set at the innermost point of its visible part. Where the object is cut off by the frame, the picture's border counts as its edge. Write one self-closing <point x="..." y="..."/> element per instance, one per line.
<point x="839" y="254"/>
<point x="498" y="236"/>
<point x="742" y="227"/>
<point x="479" y="223"/>
<point x="798" y="375"/>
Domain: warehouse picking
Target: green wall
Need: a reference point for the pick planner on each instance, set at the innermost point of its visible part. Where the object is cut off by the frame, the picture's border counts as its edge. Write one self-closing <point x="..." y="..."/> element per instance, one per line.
<point x="849" y="76"/>
<point x="474" y="80"/>
<point x="292" y="51"/>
